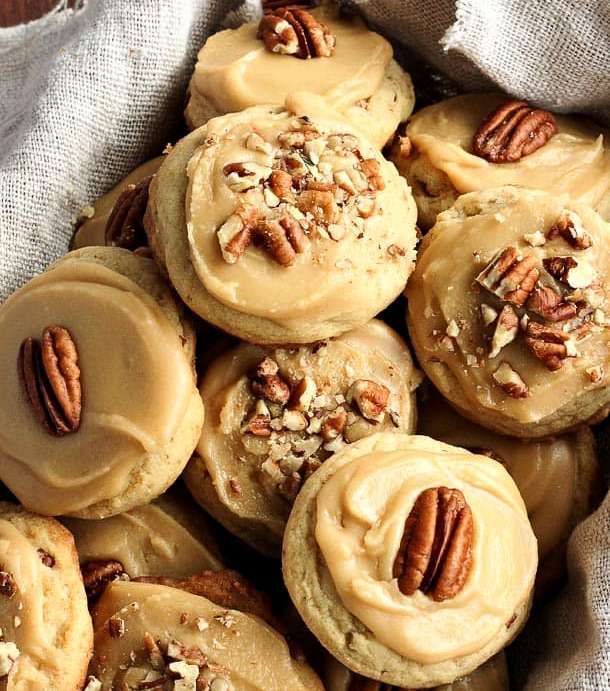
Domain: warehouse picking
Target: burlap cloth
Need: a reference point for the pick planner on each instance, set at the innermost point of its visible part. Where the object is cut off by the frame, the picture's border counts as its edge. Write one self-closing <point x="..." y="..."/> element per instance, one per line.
<point x="87" y="94"/>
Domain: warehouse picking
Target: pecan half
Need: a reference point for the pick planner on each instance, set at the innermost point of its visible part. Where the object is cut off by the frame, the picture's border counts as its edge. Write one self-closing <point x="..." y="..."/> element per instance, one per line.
<point x="510" y="276"/>
<point x="512" y="131"/>
<point x="98" y="574"/>
<point x="548" y="343"/>
<point x="550" y="304"/>
<point x="125" y="227"/>
<point x="435" y="553"/>
<point x="282" y="239"/>
<point x="297" y="32"/>
<point x="370" y="397"/>
<point x="50" y="377"/>
<point x="570" y="229"/>
<point x="268" y="383"/>
<point x="8" y="587"/>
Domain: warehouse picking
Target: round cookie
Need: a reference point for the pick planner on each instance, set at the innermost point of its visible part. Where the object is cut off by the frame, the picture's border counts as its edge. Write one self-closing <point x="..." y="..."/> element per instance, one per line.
<point x="490" y="676"/>
<point x="169" y="537"/>
<point x="99" y="399"/>
<point x="46" y="634"/>
<point x="279" y="257"/>
<point x="412" y="561"/>
<point x="274" y="415"/>
<point x="360" y="80"/>
<point x="507" y="311"/>
<point x="440" y="162"/>
<point x="116" y="218"/>
<point x="146" y="630"/>
<point x="558" y="478"/>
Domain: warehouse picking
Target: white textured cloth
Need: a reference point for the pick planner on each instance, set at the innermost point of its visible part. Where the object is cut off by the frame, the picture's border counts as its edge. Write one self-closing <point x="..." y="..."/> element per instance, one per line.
<point x="87" y="94"/>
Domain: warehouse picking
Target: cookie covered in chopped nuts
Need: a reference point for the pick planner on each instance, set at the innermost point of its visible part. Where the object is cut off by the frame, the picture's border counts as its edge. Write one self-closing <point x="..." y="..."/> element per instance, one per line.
<point x="559" y="478"/>
<point x="280" y="227"/>
<point x="45" y="629"/>
<point x="198" y="635"/>
<point x="507" y="311"/>
<point x="99" y="400"/>
<point x="275" y="415"/>
<point x="303" y="49"/>
<point x="412" y="561"/>
<point x="480" y="141"/>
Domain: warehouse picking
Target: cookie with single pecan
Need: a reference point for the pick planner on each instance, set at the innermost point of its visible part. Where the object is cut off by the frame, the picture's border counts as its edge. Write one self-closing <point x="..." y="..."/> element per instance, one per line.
<point x="412" y="561"/>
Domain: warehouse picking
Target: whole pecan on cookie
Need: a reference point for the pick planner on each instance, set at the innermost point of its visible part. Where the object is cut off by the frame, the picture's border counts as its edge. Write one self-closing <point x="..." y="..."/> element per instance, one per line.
<point x="435" y="553"/>
<point x="512" y="131"/>
<point x="548" y="343"/>
<point x="125" y="227"/>
<point x="50" y="377"/>
<point x="98" y="574"/>
<point x="297" y="32"/>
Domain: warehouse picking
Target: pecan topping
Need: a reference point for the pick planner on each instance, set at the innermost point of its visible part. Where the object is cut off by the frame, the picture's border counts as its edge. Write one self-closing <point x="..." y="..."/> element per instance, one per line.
<point x="282" y="239"/>
<point x="296" y="32"/>
<point x="235" y="234"/>
<point x="512" y="131"/>
<point x="125" y="227"/>
<point x="8" y="587"/>
<point x="268" y="384"/>
<point x="302" y="394"/>
<point x="505" y="331"/>
<point x="321" y="204"/>
<point x="259" y="423"/>
<point x="50" y="376"/>
<point x="98" y="574"/>
<point x="333" y="425"/>
<point x="570" y="229"/>
<point x="116" y="627"/>
<point x="559" y="267"/>
<point x="549" y="304"/>
<point x="509" y="380"/>
<point x="46" y="558"/>
<point x="435" y="553"/>
<point x="372" y="171"/>
<point x="548" y="343"/>
<point x="280" y="182"/>
<point x="370" y="397"/>
<point x="510" y="276"/>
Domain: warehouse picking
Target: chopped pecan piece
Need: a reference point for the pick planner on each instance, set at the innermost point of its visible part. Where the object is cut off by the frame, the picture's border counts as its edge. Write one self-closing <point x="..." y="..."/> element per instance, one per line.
<point x="46" y="558"/>
<point x="548" y="343"/>
<point x="333" y="424"/>
<point x="320" y="204"/>
<point x="372" y="171"/>
<point x="559" y="267"/>
<point x="268" y="383"/>
<point x="370" y="397"/>
<point x="50" y="376"/>
<point x="510" y="276"/>
<point x="512" y="131"/>
<point x="435" y="553"/>
<point x="259" y="424"/>
<point x="98" y="574"/>
<point x="302" y="394"/>
<point x="280" y="182"/>
<point x="155" y="656"/>
<point x="8" y="587"/>
<point x="296" y="32"/>
<point x="510" y="381"/>
<point x="125" y="227"/>
<point x="570" y="228"/>
<point x="235" y="234"/>
<point x="116" y="627"/>
<point x="506" y="330"/>
<point x="549" y="304"/>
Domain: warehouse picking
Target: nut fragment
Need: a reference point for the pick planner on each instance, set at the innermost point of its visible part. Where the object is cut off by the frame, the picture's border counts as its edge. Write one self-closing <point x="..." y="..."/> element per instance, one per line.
<point x="506" y="330"/>
<point x="302" y="394"/>
<point x="46" y="558"/>
<point x="559" y="267"/>
<point x="488" y="314"/>
<point x="435" y="553"/>
<point x="370" y="397"/>
<point x="320" y="204"/>
<point x="268" y="384"/>
<point x="510" y="381"/>
<point x="9" y="653"/>
<point x="280" y="182"/>
<point x="125" y="227"/>
<point x="259" y="424"/>
<point x="372" y="171"/>
<point x="549" y="304"/>
<point x="98" y="574"/>
<point x="570" y="228"/>
<point x="8" y="587"/>
<point x="296" y="32"/>
<point x="548" y="343"/>
<point x="235" y="234"/>
<point x="50" y="376"/>
<point x="116" y="627"/>
<point x="510" y="276"/>
<point x="333" y="424"/>
<point x="512" y="131"/>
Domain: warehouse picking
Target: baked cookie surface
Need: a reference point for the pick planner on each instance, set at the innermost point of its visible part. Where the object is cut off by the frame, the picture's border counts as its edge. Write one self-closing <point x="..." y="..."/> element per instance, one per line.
<point x="274" y="415"/>
<point x="390" y="602"/>
<point x="46" y="636"/>
<point x="507" y="311"/>
<point x="100" y="399"/>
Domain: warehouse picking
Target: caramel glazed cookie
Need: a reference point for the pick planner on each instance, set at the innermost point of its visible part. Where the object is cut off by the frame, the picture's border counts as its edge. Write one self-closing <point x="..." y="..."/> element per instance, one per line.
<point x="482" y="141"/>
<point x="280" y="227"/>
<point x="318" y="51"/>
<point x="99" y="399"/>
<point x="563" y="467"/>
<point x="387" y="598"/>
<point x="275" y="415"/>
<point x="45" y="629"/>
<point x="507" y="311"/>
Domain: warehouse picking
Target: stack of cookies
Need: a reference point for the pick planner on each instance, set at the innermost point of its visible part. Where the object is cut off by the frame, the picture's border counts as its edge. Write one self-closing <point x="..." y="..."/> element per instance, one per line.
<point x="209" y="379"/>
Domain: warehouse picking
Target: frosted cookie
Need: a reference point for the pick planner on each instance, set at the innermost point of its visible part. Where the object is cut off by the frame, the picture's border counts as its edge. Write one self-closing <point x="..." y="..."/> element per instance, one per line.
<point x="558" y="478"/>
<point x="99" y="399"/>
<point x="490" y="676"/>
<point x="146" y="632"/>
<point x="275" y="415"/>
<point x="412" y="561"/>
<point x="296" y="49"/>
<point x="116" y="218"/>
<point x="507" y="311"/>
<point x="480" y="141"/>
<point x="281" y="228"/>
<point x="45" y="629"/>
<point x="168" y="537"/>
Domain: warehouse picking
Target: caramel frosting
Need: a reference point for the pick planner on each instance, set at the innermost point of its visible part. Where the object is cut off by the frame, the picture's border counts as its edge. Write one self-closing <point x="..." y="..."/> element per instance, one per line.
<point x="135" y="378"/>
<point x="541" y="469"/>
<point x="575" y="161"/>
<point x="216" y="644"/>
<point x="163" y="538"/>
<point x="92" y="230"/>
<point x="505" y="373"/>
<point x="257" y="477"/>
<point x="235" y="71"/>
<point x="360" y="519"/>
<point x="354" y="216"/>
